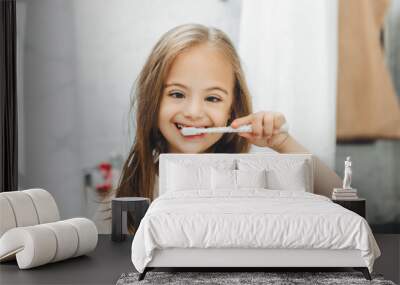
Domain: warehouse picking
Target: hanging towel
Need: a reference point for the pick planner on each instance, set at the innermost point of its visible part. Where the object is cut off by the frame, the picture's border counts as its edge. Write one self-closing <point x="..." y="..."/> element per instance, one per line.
<point x="367" y="105"/>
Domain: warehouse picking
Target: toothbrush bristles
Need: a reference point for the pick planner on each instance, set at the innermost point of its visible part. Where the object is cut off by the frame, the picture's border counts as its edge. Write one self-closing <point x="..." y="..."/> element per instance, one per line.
<point x="191" y="131"/>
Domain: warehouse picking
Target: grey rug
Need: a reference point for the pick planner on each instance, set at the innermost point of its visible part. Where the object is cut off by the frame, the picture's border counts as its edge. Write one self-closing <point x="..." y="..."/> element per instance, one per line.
<point x="228" y="278"/>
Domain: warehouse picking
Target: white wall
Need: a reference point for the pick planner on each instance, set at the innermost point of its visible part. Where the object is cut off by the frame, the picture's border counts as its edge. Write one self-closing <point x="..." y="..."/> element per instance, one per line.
<point x="78" y="63"/>
<point x="289" y="52"/>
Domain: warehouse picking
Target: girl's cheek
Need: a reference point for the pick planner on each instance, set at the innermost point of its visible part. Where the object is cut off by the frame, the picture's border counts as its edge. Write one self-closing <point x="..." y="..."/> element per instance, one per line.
<point x="169" y="106"/>
<point x="220" y="117"/>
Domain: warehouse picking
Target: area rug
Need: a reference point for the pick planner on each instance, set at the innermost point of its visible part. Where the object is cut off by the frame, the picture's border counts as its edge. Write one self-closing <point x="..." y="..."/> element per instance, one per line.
<point x="229" y="278"/>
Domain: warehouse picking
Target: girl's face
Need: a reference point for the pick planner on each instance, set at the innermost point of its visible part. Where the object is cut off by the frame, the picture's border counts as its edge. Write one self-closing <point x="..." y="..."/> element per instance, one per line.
<point x="198" y="92"/>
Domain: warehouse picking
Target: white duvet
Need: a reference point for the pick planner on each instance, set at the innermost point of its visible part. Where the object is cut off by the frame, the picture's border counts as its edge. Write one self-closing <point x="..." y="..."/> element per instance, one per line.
<point x="252" y="218"/>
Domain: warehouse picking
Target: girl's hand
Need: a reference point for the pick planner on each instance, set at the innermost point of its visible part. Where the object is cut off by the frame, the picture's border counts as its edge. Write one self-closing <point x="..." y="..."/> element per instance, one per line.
<point x="265" y="126"/>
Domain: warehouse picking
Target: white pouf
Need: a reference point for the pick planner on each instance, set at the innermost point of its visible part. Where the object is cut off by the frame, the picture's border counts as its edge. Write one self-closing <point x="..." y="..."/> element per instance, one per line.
<point x="7" y="216"/>
<point x="31" y="232"/>
<point x="45" y="205"/>
<point x="40" y="244"/>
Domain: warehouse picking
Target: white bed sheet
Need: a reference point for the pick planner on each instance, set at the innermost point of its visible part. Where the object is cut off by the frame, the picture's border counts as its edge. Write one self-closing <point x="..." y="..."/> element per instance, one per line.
<point x="251" y="218"/>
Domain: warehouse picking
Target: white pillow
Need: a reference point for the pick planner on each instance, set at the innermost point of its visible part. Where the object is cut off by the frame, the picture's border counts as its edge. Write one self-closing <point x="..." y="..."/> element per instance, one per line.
<point x="236" y="179"/>
<point x="289" y="179"/>
<point x="223" y="179"/>
<point x="251" y="178"/>
<point x="282" y="174"/>
<point x="181" y="177"/>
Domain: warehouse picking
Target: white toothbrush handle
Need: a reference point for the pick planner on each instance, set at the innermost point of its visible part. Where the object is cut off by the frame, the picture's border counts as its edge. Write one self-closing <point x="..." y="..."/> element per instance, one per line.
<point x="242" y="129"/>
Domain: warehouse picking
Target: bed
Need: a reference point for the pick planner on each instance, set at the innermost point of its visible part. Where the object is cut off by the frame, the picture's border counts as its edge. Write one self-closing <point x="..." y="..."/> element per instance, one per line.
<point x="247" y="210"/>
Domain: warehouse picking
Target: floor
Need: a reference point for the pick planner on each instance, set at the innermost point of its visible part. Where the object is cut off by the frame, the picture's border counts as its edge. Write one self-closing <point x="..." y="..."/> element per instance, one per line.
<point x="389" y="262"/>
<point x="104" y="265"/>
<point x="110" y="260"/>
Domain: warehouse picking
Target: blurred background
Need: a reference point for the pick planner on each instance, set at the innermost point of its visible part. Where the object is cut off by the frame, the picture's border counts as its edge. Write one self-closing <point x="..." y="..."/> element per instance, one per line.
<point x="332" y="67"/>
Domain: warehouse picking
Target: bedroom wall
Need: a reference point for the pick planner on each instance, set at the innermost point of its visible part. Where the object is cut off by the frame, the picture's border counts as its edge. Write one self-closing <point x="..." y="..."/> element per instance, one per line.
<point x="375" y="167"/>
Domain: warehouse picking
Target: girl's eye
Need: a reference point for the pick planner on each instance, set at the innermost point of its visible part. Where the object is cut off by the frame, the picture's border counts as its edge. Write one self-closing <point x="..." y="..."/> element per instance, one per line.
<point x="213" y="99"/>
<point x="176" y="95"/>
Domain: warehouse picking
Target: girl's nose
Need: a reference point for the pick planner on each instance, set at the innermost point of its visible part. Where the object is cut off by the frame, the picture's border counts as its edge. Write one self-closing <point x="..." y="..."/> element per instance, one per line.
<point x="193" y="109"/>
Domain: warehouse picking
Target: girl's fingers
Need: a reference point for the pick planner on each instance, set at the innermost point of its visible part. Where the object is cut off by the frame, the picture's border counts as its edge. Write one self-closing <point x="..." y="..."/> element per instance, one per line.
<point x="257" y="125"/>
<point x="264" y="124"/>
<point x="268" y="122"/>
<point x="279" y="121"/>
<point x="242" y="121"/>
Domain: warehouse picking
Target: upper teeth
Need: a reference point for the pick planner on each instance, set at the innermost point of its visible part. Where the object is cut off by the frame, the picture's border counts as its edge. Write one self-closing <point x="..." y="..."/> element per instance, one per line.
<point x="184" y="126"/>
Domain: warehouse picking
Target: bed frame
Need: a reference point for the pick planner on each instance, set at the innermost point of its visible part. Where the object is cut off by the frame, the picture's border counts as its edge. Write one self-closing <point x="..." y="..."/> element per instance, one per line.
<point x="241" y="259"/>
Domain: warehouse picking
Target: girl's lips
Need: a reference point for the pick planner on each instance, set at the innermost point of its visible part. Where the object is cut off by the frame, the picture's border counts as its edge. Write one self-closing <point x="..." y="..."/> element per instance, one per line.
<point x="194" y="137"/>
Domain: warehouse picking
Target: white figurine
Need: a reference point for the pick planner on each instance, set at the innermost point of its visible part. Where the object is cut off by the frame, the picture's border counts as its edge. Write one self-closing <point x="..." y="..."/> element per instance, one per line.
<point x="347" y="174"/>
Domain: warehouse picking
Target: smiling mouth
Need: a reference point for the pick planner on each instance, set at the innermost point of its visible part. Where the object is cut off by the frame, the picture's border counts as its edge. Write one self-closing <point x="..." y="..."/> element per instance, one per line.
<point x="180" y="126"/>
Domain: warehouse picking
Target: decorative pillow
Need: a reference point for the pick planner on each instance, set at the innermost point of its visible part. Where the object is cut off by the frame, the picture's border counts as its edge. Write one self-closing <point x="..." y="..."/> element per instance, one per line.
<point x="251" y="178"/>
<point x="181" y="177"/>
<point x="236" y="179"/>
<point x="282" y="174"/>
<point x="294" y="178"/>
<point x="223" y="179"/>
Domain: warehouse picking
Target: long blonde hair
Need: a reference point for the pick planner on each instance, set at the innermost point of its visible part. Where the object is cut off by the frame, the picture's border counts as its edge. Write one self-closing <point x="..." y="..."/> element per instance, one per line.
<point x="140" y="168"/>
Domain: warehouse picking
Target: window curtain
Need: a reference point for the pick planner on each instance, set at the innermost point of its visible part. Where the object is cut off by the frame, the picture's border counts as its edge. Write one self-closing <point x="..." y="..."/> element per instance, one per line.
<point x="8" y="98"/>
<point x="289" y="52"/>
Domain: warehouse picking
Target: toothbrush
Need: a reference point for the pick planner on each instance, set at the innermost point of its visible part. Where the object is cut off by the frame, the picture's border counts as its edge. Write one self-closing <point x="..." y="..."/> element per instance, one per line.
<point x="191" y="131"/>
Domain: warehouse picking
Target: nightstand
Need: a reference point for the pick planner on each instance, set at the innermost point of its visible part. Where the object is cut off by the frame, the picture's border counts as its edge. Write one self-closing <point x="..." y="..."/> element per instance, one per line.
<point x="355" y="205"/>
<point x="120" y="206"/>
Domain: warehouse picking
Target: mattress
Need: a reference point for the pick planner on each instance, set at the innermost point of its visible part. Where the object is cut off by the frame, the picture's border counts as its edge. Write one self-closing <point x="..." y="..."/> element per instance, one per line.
<point x="250" y="219"/>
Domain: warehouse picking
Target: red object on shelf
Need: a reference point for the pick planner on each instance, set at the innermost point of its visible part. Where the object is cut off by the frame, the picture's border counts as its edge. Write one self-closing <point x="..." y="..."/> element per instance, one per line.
<point x="105" y="166"/>
<point x="105" y="169"/>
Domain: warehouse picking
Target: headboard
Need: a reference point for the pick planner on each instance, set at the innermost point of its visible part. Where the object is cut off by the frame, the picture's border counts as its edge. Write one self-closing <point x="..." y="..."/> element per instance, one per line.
<point x="229" y="160"/>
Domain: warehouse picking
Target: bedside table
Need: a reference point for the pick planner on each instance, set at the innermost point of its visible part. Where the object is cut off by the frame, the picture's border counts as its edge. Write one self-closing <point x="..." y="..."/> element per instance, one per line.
<point x="356" y="205"/>
<point x="120" y="206"/>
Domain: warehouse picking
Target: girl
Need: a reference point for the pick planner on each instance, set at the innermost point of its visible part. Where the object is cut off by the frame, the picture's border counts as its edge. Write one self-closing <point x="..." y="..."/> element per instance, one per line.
<point x="193" y="77"/>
